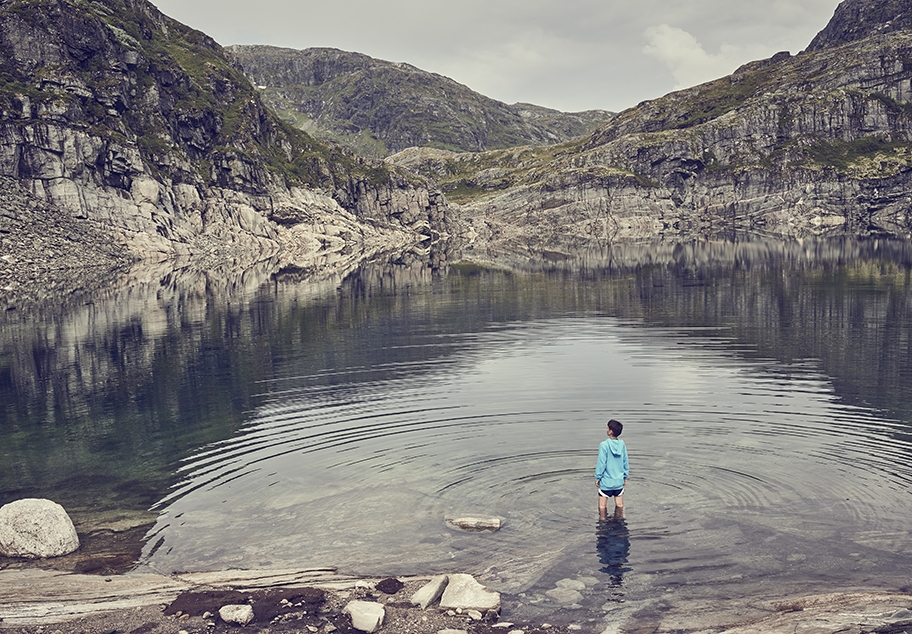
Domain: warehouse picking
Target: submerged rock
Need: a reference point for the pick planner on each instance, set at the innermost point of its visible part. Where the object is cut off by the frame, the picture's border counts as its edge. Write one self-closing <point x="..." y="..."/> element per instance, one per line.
<point x="36" y="528"/>
<point x="477" y="524"/>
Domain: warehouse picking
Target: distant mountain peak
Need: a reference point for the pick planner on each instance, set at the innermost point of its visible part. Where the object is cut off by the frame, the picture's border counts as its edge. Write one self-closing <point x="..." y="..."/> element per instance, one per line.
<point x="857" y="19"/>
<point x="378" y="107"/>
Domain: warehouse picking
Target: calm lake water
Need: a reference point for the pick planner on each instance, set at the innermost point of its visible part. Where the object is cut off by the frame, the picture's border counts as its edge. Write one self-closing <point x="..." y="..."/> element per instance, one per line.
<point x="276" y="418"/>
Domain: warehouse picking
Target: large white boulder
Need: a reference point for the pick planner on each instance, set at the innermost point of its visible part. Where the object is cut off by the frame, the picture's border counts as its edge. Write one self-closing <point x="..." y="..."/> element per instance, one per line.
<point x="35" y="528"/>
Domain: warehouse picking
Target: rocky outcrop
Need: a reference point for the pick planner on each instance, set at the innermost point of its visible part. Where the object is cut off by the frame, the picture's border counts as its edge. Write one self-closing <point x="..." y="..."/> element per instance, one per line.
<point x="116" y="115"/>
<point x="378" y="107"/>
<point x="817" y="143"/>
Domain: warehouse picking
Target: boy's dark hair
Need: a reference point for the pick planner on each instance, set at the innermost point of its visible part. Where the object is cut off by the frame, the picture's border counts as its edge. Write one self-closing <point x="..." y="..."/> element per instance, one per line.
<point x="616" y="427"/>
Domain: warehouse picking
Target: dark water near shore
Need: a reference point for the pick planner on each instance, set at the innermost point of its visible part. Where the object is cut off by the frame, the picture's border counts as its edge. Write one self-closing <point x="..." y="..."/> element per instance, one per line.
<point x="271" y="419"/>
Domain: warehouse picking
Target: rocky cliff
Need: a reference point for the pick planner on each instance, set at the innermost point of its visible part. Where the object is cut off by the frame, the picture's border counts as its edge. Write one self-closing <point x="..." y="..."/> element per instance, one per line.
<point x="378" y="107"/>
<point x="131" y="123"/>
<point x="796" y="145"/>
<point x="858" y="19"/>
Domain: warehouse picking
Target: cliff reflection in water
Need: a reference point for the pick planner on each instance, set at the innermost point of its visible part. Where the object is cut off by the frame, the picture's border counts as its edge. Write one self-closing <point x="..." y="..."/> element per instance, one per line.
<point x="100" y="399"/>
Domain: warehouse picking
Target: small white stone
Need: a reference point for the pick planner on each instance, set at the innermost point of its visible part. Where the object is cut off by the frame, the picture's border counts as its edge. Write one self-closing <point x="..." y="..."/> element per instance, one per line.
<point x="236" y="614"/>
<point x="366" y="616"/>
<point x="504" y="624"/>
<point x="475" y="615"/>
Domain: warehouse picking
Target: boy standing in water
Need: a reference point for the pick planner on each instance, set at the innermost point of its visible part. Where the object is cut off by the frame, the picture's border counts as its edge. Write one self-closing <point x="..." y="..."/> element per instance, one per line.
<point x="611" y="470"/>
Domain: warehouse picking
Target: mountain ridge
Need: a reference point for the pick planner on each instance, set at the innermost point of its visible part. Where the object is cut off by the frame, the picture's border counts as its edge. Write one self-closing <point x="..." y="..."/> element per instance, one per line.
<point x="379" y="107"/>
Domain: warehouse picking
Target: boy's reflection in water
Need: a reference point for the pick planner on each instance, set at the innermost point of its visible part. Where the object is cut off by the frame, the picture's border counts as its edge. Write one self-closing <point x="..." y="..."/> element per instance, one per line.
<point x="613" y="544"/>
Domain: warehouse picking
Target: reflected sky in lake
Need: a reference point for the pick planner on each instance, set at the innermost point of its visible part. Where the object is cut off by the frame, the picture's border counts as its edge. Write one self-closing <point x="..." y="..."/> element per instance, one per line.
<point x="281" y="422"/>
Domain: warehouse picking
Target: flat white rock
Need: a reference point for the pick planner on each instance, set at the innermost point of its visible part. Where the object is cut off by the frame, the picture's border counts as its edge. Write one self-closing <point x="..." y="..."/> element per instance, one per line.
<point x="463" y="592"/>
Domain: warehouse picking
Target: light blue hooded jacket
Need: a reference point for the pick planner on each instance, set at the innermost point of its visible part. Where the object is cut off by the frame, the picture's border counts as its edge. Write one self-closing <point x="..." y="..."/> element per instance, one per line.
<point x="612" y="468"/>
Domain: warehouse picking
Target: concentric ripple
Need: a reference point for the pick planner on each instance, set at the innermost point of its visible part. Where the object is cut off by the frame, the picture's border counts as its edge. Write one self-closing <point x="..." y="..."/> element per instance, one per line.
<point x="738" y="467"/>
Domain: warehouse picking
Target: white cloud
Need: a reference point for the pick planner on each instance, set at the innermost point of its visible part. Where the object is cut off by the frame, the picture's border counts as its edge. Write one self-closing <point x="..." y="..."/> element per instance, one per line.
<point x="685" y="57"/>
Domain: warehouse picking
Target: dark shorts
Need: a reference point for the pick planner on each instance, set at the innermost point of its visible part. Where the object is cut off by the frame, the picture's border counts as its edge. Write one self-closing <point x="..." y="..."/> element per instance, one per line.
<point x="612" y="493"/>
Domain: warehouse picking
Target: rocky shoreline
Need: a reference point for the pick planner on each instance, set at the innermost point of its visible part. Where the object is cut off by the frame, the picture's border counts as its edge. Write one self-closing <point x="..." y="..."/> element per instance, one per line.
<point x="101" y="589"/>
<point x="323" y="601"/>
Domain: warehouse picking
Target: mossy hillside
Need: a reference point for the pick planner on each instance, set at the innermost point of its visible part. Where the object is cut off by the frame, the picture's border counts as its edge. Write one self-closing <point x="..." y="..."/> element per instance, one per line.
<point x="777" y="111"/>
<point x="472" y="177"/>
<point x="352" y="97"/>
<point x="176" y="96"/>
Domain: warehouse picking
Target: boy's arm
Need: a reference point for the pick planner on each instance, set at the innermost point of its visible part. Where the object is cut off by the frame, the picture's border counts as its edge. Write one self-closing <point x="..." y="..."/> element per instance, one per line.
<point x="600" y="465"/>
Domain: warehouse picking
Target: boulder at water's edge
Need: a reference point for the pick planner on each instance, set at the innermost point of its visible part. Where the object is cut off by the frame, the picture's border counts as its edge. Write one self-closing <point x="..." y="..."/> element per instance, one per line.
<point x="35" y="529"/>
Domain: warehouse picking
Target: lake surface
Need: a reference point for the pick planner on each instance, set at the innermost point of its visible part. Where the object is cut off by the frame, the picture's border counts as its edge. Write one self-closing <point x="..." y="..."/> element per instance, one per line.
<point x="274" y="418"/>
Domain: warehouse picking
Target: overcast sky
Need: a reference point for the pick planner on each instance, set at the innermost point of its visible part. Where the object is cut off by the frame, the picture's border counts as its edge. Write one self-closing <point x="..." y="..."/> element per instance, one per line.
<point x="570" y="54"/>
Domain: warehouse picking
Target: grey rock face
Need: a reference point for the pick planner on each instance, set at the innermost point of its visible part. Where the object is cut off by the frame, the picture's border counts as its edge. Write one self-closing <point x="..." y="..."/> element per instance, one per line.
<point x="104" y="117"/>
<point x="35" y="529"/>
<point x="857" y="19"/>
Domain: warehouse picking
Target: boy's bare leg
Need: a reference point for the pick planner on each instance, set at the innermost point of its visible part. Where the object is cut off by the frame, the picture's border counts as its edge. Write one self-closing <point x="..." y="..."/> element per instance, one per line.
<point x="619" y="502"/>
<point x="603" y="508"/>
<point x="618" y="512"/>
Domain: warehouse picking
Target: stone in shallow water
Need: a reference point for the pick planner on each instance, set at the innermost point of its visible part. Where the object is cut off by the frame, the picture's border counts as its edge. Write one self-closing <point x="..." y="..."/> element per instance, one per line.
<point x="36" y="528"/>
<point x="475" y="523"/>
<point x="565" y="595"/>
